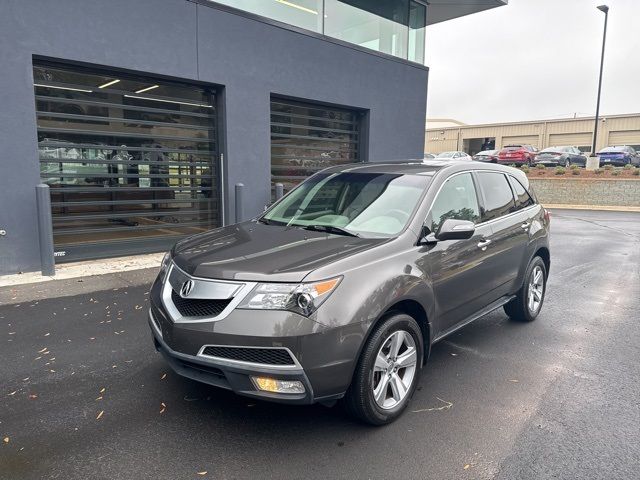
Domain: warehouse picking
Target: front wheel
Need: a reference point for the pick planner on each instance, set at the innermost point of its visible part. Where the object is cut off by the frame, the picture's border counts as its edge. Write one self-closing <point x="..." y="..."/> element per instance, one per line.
<point x="387" y="373"/>
<point x="567" y="163"/>
<point x="528" y="302"/>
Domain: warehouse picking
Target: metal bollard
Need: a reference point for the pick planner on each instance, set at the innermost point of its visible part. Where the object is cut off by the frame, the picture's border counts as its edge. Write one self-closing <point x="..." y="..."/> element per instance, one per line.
<point x="45" y="230"/>
<point x="279" y="191"/>
<point x="239" y="202"/>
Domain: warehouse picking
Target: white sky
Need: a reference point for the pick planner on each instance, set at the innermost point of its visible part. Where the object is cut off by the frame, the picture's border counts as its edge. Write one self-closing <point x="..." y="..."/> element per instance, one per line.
<point x="534" y="59"/>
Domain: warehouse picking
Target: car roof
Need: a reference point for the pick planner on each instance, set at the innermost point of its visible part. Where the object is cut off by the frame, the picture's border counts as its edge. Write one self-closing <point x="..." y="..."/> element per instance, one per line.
<point x="419" y="167"/>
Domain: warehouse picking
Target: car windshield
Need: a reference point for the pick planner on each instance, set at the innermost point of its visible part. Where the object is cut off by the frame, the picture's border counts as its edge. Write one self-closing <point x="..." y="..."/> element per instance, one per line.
<point x="612" y="150"/>
<point x="365" y="204"/>
<point x="553" y="150"/>
<point x="446" y="154"/>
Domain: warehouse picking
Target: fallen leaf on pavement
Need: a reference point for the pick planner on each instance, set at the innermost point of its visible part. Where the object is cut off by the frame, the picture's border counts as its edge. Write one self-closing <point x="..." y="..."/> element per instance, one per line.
<point x="447" y="405"/>
<point x="5" y="439"/>
<point x="13" y="393"/>
<point x="99" y="398"/>
<point x="466" y="467"/>
<point x="164" y="375"/>
<point x="43" y="350"/>
<point x="202" y="474"/>
<point x="47" y="334"/>
<point x="102" y="390"/>
<point x="33" y="396"/>
<point x="100" y="415"/>
<point x="514" y="380"/>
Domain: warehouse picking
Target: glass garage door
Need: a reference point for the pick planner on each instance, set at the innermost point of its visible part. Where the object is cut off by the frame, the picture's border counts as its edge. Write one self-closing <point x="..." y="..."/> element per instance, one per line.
<point x="131" y="161"/>
<point x="306" y="138"/>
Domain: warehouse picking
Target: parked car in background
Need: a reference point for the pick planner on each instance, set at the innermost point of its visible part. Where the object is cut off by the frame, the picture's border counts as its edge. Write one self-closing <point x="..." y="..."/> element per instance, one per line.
<point x="619" y="156"/>
<point x="456" y="156"/>
<point x="490" y="156"/>
<point x="560" y="156"/>
<point x="339" y="290"/>
<point x="429" y="156"/>
<point x="517" y="154"/>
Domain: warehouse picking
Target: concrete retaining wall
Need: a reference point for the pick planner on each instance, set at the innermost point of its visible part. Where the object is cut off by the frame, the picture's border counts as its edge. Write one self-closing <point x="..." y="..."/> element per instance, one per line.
<point x="587" y="191"/>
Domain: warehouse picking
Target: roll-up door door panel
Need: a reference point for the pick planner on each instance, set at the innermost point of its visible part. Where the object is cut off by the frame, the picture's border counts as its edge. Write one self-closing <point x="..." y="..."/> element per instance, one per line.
<point x="131" y="161"/>
<point x="307" y="137"/>
<point x="570" y="139"/>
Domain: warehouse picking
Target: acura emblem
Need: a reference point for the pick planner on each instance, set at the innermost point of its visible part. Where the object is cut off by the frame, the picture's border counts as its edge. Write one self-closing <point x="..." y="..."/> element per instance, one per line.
<point x="186" y="288"/>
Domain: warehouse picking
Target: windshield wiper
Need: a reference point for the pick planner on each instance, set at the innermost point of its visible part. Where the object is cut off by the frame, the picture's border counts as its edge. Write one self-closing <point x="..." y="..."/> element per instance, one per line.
<point x="330" y="229"/>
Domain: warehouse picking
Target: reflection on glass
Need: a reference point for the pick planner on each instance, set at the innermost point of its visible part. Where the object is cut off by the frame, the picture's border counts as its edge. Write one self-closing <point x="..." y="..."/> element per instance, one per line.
<point x="305" y="14"/>
<point x="417" y="22"/>
<point x="366" y="204"/>
<point x="380" y="26"/>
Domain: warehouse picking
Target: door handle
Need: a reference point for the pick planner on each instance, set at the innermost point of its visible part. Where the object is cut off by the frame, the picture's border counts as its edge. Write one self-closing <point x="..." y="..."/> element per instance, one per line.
<point x="483" y="244"/>
<point x="525" y="225"/>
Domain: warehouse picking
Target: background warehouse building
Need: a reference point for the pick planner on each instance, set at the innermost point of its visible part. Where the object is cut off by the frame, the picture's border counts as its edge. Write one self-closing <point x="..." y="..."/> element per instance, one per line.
<point x="445" y="135"/>
<point x="142" y="116"/>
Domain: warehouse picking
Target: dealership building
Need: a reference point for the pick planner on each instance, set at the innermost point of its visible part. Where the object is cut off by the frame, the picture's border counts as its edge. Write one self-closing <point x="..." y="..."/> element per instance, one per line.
<point x="444" y="135"/>
<point x="142" y="116"/>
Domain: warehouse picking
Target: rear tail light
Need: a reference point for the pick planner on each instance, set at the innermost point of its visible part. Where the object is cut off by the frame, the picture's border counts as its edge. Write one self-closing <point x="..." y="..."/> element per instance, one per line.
<point x="547" y="215"/>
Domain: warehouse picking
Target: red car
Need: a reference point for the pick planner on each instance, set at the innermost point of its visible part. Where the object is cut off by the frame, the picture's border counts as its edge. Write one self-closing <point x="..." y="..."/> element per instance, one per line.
<point x="518" y="154"/>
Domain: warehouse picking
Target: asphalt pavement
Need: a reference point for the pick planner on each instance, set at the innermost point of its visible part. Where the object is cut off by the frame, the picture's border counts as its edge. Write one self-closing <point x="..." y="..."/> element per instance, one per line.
<point x="84" y="395"/>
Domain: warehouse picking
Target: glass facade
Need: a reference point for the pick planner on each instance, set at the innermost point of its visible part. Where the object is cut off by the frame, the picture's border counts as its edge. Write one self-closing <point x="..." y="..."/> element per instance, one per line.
<point x="394" y="27"/>
<point x="128" y="159"/>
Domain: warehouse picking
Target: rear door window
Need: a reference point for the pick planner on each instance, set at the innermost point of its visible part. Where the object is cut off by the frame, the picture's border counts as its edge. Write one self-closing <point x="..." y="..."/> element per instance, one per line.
<point x="498" y="197"/>
<point x="522" y="197"/>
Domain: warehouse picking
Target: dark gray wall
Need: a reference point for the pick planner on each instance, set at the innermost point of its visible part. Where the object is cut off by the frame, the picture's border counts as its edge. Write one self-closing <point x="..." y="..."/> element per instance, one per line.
<point x="185" y="40"/>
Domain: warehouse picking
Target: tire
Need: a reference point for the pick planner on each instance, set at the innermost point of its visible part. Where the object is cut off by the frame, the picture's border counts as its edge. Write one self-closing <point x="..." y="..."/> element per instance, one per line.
<point x="394" y="387"/>
<point x="519" y="309"/>
<point x="567" y="163"/>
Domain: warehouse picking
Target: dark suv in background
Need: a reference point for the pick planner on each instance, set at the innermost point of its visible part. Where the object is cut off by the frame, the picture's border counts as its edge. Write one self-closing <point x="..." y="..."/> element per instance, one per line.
<point x="339" y="290"/>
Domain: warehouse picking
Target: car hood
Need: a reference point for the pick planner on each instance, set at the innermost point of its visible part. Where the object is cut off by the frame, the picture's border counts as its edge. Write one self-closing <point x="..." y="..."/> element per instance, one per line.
<point x="252" y="251"/>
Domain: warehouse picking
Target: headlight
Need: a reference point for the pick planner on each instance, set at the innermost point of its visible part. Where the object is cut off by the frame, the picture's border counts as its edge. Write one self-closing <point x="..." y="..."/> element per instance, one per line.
<point x="164" y="266"/>
<point x="302" y="298"/>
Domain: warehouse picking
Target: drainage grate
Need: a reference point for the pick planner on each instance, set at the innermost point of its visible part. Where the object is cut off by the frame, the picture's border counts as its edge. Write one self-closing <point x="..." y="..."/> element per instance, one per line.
<point x="198" y="307"/>
<point x="266" y="356"/>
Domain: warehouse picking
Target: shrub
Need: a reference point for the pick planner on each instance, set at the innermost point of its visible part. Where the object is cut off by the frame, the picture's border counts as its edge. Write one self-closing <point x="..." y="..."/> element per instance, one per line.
<point x="598" y="171"/>
<point x="608" y="167"/>
<point x="574" y="167"/>
<point x="524" y="168"/>
<point x="512" y="165"/>
<point x="616" y="172"/>
<point x="628" y="166"/>
<point x="560" y="171"/>
<point x="636" y="171"/>
<point x="576" y="171"/>
<point x="540" y="166"/>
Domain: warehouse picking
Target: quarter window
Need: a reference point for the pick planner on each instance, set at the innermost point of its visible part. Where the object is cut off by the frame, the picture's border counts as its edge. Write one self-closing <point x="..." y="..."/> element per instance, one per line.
<point x="497" y="193"/>
<point x="523" y="199"/>
<point x="457" y="199"/>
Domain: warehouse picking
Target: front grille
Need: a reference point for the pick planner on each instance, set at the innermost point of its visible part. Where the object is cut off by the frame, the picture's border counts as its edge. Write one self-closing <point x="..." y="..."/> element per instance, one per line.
<point x="192" y="307"/>
<point x="265" y="356"/>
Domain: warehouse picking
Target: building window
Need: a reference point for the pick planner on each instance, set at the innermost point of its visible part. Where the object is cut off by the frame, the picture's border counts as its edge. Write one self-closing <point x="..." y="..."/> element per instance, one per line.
<point x="305" y="14"/>
<point x="394" y="27"/>
<point x="130" y="160"/>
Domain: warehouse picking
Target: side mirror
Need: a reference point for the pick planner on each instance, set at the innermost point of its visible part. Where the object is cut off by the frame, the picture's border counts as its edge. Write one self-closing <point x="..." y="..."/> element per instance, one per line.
<point x="451" y="229"/>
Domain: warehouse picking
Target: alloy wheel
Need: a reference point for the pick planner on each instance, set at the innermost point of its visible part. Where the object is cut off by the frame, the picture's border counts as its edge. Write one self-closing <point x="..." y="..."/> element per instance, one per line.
<point x="536" y="290"/>
<point x="395" y="369"/>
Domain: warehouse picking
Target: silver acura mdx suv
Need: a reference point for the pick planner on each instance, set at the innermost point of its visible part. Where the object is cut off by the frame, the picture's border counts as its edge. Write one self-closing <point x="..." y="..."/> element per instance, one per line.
<point x="339" y="290"/>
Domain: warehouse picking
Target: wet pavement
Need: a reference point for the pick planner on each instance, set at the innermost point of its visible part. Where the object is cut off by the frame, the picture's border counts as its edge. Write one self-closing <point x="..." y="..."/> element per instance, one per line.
<point x="84" y="395"/>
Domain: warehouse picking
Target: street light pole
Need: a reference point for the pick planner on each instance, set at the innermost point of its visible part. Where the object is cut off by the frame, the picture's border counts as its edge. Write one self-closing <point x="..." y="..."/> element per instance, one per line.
<point x="605" y="9"/>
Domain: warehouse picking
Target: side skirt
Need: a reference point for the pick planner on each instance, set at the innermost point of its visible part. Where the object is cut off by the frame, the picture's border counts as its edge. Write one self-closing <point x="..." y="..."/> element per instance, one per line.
<point x="481" y="313"/>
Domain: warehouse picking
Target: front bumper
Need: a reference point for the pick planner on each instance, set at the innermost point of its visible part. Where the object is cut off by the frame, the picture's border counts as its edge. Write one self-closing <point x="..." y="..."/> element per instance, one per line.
<point x="231" y="375"/>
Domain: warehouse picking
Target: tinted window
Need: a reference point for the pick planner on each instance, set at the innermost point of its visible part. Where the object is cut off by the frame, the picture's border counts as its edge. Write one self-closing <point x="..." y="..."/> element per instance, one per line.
<point x="497" y="194"/>
<point x="457" y="199"/>
<point x="523" y="199"/>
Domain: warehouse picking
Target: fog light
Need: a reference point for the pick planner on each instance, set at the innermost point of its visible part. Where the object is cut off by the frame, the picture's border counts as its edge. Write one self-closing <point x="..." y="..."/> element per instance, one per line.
<point x="267" y="384"/>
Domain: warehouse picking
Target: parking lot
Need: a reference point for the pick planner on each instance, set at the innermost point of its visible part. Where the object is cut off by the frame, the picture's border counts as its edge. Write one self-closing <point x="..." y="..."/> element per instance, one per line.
<point x="85" y="396"/>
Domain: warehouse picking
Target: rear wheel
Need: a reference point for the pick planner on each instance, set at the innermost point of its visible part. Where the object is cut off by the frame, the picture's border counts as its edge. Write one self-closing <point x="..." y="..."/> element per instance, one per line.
<point x="567" y="163"/>
<point x="529" y="299"/>
<point x="387" y="373"/>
